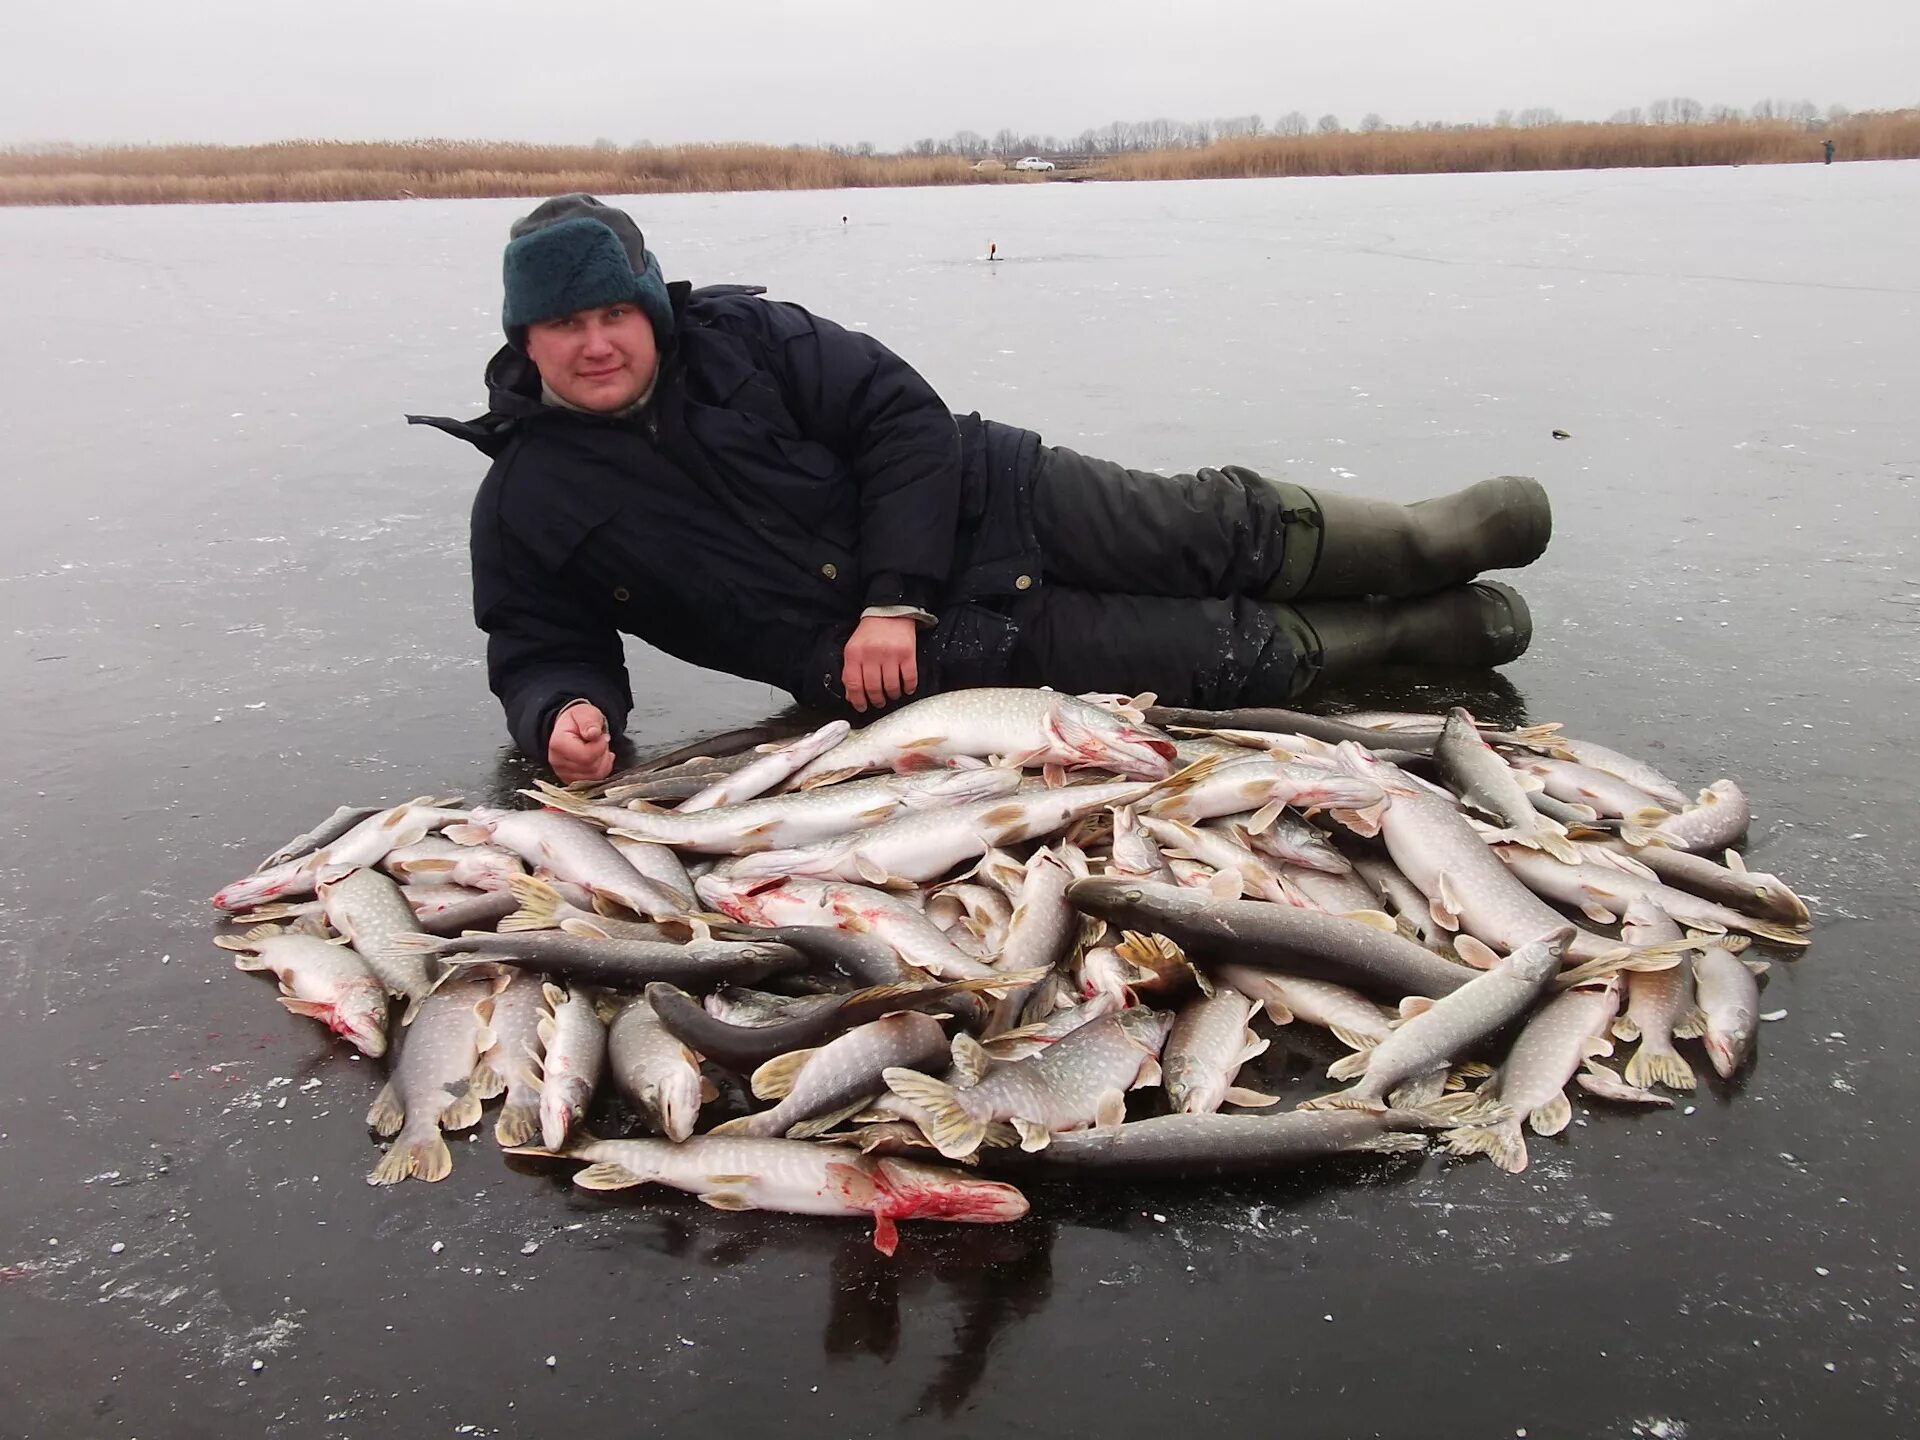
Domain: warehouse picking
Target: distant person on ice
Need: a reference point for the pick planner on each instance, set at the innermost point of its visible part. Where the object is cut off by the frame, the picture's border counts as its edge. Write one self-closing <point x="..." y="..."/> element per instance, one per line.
<point x="754" y="489"/>
<point x="1827" y="145"/>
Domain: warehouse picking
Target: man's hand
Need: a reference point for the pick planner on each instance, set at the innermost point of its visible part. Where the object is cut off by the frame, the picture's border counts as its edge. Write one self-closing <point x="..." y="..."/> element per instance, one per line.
<point x="881" y="661"/>
<point x="578" y="748"/>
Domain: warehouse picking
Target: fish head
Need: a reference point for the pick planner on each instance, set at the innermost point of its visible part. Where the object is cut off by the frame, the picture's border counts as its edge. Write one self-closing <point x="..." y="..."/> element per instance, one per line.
<point x="906" y="1189"/>
<point x="1145" y="1026"/>
<point x="1107" y="741"/>
<point x="1540" y="959"/>
<point x="361" y="1019"/>
<point x="1122" y="897"/>
<point x="1728" y="1044"/>
<point x="674" y="1102"/>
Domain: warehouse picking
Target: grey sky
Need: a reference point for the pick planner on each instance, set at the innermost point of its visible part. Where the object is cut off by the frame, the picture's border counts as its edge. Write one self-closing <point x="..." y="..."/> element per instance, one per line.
<point x="893" y="70"/>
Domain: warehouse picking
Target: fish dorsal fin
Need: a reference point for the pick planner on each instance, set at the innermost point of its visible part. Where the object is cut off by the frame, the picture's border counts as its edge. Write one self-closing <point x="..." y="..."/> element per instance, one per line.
<point x="1373" y="920"/>
<point x="1227" y="885"/>
<point x="1474" y="952"/>
<point x="774" y="1080"/>
<point x="1414" y="1005"/>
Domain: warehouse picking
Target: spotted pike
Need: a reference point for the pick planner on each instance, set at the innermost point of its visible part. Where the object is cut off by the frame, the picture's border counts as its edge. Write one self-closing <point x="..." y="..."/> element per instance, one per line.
<point x="1634" y="772"/>
<point x="787" y="821"/>
<point x="438" y="1082"/>
<point x="368" y="908"/>
<point x="1729" y="996"/>
<point x="1183" y="1146"/>
<point x="1531" y="1083"/>
<point x="1079" y="1081"/>
<point x="835" y="904"/>
<point x="817" y="1089"/>
<point x="570" y="849"/>
<point x="1282" y="937"/>
<point x="1241" y="870"/>
<point x="1601" y="887"/>
<point x="798" y="1178"/>
<point x="1017" y="727"/>
<point x="1205" y="1049"/>
<point x="322" y="835"/>
<point x="514" y="1055"/>
<point x="1604" y="793"/>
<point x="573" y="1051"/>
<point x="1134" y="852"/>
<point x="655" y="1070"/>
<point x="768" y="769"/>
<point x="1354" y="1020"/>
<point x="1410" y="1066"/>
<point x="321" y="979"/>
<point x="1245" y="783"/>
<point x="1476" y="773"/>
<point x="1718" y="818"/>
<point x="574" y="954"/>
<point x="1660" y="1004"/>
<point x="1751" y="891"/>
<point x="367" y="843"/>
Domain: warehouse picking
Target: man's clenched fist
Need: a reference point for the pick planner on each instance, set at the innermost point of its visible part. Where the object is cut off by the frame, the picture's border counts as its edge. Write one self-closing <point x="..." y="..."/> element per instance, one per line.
<point x="881" y="661"/>
<point x="579" y="748"/>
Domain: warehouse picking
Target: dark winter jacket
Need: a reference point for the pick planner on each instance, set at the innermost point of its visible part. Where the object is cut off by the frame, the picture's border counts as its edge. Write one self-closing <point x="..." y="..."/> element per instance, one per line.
<point x="786" y="474"/>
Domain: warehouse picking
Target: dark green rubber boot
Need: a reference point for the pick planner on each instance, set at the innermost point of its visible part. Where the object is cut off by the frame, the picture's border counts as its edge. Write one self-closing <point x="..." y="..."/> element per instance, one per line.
<point x="1473" y="626"/>
<point x="1375" y="547"/>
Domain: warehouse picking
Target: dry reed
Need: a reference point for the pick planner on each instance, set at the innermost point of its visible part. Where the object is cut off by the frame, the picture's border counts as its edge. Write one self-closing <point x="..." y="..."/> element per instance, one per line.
<point x="297" y="170"/>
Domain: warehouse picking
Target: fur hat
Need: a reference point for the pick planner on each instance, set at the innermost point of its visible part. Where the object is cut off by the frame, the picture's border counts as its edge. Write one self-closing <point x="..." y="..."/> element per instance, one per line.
<point x="573" y="253"/>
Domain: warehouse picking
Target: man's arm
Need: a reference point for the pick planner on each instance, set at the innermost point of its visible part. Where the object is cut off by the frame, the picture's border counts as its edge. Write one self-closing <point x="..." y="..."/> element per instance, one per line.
<point x="545" y="650"/>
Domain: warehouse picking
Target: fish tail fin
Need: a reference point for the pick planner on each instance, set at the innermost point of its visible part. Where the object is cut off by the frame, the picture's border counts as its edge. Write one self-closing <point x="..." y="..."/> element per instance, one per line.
<point x="1503" y="1144"/>
<point x="1655" y="1065"/>
<point x="539" y="904"/>
<point x="954" y="1132"/>
<point x="517" y="1123"/>
<point x="425" y="1157"/>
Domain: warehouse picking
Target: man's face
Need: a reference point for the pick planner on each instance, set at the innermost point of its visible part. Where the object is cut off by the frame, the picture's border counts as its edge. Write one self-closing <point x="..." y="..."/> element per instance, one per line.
<point x="600" y="359"/>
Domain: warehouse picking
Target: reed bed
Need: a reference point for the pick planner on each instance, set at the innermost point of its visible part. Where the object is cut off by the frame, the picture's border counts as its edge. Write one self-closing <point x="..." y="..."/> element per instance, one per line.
<point x="1548" y="147"/>
<point x="304" y="170"/>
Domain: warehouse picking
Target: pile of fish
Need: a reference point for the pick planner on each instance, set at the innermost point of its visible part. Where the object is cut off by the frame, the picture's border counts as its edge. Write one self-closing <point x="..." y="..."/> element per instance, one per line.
<point x="1015" y="932"/>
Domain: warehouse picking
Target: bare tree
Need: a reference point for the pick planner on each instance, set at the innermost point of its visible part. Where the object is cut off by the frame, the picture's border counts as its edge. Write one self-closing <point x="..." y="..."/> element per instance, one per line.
<point x="1686" y="111"/>
<point x="1765" y="110"/>
<point x="1534" y="116"/>
<point x="1503" y="118"/>
<point x="1328" y="125"/>
<point x="1632" y="115"/>
<point x="1291" y="123"/>
<point x="1837" y="114"/>
<point x="1802" y="112"/>
<point x="1371" y="123"/>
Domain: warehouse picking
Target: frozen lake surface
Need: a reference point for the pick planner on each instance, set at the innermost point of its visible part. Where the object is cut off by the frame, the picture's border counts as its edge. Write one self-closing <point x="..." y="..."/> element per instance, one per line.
<point x="235" y="596"/>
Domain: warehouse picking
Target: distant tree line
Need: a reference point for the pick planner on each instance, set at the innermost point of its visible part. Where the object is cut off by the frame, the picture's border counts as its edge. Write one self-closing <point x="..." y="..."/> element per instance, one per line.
<point x="1125" y="137"/>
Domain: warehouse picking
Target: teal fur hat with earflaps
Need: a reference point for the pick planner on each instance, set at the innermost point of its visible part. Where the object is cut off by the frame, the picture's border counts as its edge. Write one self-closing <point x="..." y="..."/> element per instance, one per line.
<point x="573" y="253"/>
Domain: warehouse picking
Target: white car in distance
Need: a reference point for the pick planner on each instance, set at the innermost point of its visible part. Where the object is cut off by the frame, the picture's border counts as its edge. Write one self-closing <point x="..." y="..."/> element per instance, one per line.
<point x="1033" y="162"/>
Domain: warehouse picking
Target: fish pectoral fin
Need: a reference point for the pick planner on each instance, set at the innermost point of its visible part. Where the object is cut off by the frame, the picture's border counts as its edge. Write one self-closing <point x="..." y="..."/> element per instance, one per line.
<point x="1147" y="1075"/>
<point x="1033" y="1137"/>
<point x="1420" y="1092"/>
<point x="720" y="1199"/>
<point x="869" y="869"/>
<point x="1595" y="1046"/>
<point x="709" y="1092"/>
<point x="1255" y="1045"/>
<point x="607" y="1176"/>
<point x="1111" y="1111"/>
<point x="820" y="1124"/>
<point x="1352" y="1039"/>
<point x="971" y="1060"/>
<point x="1552" y="1117"/>
<point x="1477" y="954"/>
<point x="1625" y="1027"/>
<point x="1226" y="885"/>
<point x="1373" y="920"/>
<point x="1278" y="1012"/>
<point x="312" y="1009"/>
<point x="1249" y="1099"/>
<point x="388" y="1114"/>
<point x="1264" y="817"/>
<point x="585" y="929"/>
<point x="1690" y="1026"/>
<point x="1350" y="1067"/>
<point x="1414" y="1005"/>
<point x="774" y="1080"/>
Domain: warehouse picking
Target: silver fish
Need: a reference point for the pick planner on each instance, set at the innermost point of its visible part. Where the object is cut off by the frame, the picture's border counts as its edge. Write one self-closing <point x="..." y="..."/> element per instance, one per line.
<point x="1134" y="852"/>
<point x="569" y="848"/>
<point x="1602" y="887"/>
<point x="659" y="864"/>
<point x="1729" y="996"/>
<point x="1477" y="774"/>
<point x="1205" y="1049"/>
<point x="573" y="1051"/>
<point x="1032" y="1038"/>
<point x="1604" y="793"/>
<point x="1409" y="1067"/>
<point x="514" y="1056"/>
<point x="1465" y="885"/>
<point x="1243" y="784"/>
<point x="368" y="908"/>
<point x="836" y="904"/>
<point x="1751" y="891"/>
<point x="439" y="1081"/>
<point x="1020" y="727"/>
<point x="1531" y="1083"/>
<point x="658" y="1074"/>
<point x="1660" y="1004"/>
<point x="787" y="821"/>
<point x="1354" y="1020"/>
<point x="1185" y="1146"/>
<point x="1079" y="1081"/>
<point x="1719" y="817"/>
<point x="318" y="838"/>
<point x="770" y="768"/>
<point x="320" y="979"/>
<point x="799" y="1177"/>
<point x="1635" y="772"/>
<point x="817" y="1089"/>
<point x="1242" y="871"/>
<point x="1292" y="841"/>
<point x="1040" y="934"/>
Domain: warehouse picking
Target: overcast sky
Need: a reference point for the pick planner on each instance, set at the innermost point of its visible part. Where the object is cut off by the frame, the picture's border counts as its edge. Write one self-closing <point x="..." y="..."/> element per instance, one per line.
<point x="890" y="71"/>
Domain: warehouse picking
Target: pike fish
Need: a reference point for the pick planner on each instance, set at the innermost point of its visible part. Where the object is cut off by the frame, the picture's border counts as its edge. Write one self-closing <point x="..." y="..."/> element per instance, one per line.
<point x="1602" y="887"/>
<point x="438" y="1082"/>
<point x="767" y="770"/>
<point x="599" y="960"/>
<point x="1205" y="1049"/>
<point x="1409" y="1067"/>
<point x="1184" y="1146"/>
<point x="1476" y="773"/>
<point x="573" y="1050"/>
<point x="1079" y="1081"/>
<point x="322" y="835"/>
<point x="798" y="1178"/>
<point x="567" y="847"/>
<point x="1018" y="727"/>
<point x="1718" y="818"/>
<point x="1660" y="1004"/>
<point x="1531" y="1083"/>
<point x="1750" y="891"/>
<point x="1353" y="1019"/>
<point x="817" y="1089"/>
<point x="368" y="908"/>
<point x="515" y="1056"/>
<point x="1729" y="995"/>
<point x="321" y="979"/>
<point x="655" y="1070"/>
<point x="834" y="904"/>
